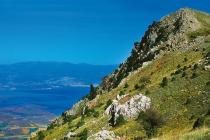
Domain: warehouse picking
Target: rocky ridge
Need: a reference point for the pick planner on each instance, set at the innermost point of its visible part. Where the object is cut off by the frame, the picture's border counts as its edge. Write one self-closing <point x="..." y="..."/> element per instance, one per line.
<point x="169" y="34"/>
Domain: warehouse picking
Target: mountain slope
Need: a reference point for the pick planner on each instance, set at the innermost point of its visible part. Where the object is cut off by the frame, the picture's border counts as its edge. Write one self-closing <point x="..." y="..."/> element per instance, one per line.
<point x="162" y="89"/>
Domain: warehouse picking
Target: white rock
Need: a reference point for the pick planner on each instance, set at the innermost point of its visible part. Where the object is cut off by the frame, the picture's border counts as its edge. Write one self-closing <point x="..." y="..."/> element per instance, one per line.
<point x="70" y="134"/>
<point x="131" y="108"/>
<point x="103" y="135"/>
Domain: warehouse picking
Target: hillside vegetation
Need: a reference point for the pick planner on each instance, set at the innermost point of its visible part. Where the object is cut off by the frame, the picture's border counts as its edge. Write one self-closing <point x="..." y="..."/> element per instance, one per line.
<point x="170" y="66"/>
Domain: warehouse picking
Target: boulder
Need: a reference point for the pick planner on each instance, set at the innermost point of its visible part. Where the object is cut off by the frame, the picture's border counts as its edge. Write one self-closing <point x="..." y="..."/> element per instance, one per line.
<point x="131" y="108"/>
<point x="70" y="135"/>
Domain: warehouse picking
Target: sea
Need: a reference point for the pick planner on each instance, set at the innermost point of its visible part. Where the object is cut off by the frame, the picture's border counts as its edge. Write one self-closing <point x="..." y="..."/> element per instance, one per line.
<point x="23" y="112"/>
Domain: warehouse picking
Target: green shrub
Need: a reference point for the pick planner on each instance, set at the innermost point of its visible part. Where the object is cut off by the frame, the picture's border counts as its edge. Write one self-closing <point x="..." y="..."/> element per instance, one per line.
<point x="136" y="86"/>
<point x="184" y="68"/>
<point x="178" y="71"/>
<point x="84" y="134"/>
<point x="88" y="112"/>
<point x="108" y="103"/>
<point x="120" y="120"/>
<point x="195" y="66"/>
<point x="41" y="135"/>
<point x="126" y="85"/>
<point x="198" y="123"/>
<point x="151" y="120"/>
<point x="145" y="80"/>
<point x="208" y="83"/>
<point x="122" y="93"/>
<point x="178" y="66"/>
<point x="194" y="75"/>
<point x="185" y="59"/>
<point x="80" y="123"/>
<point x="96" y="114"/>
<point x="173" y="79"/>
<point x="68" y="118"/>
<point x="184" y="74"/>
<point x="164" y="82"/>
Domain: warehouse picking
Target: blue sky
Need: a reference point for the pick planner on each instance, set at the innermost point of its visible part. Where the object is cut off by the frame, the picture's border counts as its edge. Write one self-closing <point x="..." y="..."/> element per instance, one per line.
<point x="79" y="31"/>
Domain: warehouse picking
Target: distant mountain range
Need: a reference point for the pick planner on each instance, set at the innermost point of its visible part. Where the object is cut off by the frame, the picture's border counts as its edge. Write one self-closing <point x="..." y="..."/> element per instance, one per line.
<point x="50" y="75"/>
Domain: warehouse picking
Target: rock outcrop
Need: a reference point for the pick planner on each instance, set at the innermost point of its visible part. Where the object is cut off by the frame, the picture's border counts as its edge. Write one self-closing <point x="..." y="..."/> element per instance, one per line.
<point x="103" y="135"/>
<point x="70" y="135"/>
<point x="131" y="108"/>
<point x="168" y="34"/>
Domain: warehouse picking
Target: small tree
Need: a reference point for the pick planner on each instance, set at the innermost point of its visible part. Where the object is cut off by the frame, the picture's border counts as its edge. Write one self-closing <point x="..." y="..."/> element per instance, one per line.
<point x="93" y="93"/>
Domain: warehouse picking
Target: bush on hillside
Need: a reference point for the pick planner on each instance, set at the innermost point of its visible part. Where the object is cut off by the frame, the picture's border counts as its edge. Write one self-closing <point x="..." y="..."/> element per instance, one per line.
<point x="41" y="135"/>
<point x="198" y="123"/>
<point x="195" y="66"/>
<point x="145" y="80"/>
<point x="80" y="123"/>
<point x="126" y="85"/>
<point x="122" y="93"/>
<point x="178" y="66"/>
<point x="184" y="74"/>
<point x="164" y="82"/>
<point x="136" y="86"/>
<point x="173" y="79"/>
<point x="84" y="134"/>
<point x="151" y="121"/>
<point x="120" y="120"/>
<point x="194" y="75"/>
<point x="67" y="118"/>
<point x="96" y="114"/>
<point x="208" y="83"/>
<point x="178" y="71"/>
<point x="184" y="68"/>
<point x="88" y="112"/>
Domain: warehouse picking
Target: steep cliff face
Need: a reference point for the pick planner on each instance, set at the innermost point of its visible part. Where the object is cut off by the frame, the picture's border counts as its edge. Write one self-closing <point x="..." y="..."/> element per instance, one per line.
<point x="161" y="90"/>
<point x="168" y="34"/>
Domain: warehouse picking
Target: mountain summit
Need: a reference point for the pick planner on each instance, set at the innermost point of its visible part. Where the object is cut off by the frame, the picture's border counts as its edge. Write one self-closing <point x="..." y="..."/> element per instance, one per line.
<point x="169" y="34"/>
<point x="160" y="92"/>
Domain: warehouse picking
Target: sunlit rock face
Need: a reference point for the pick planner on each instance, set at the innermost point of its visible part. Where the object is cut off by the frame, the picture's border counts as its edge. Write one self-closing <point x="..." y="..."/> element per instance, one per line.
<point x="131" y="108"/>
